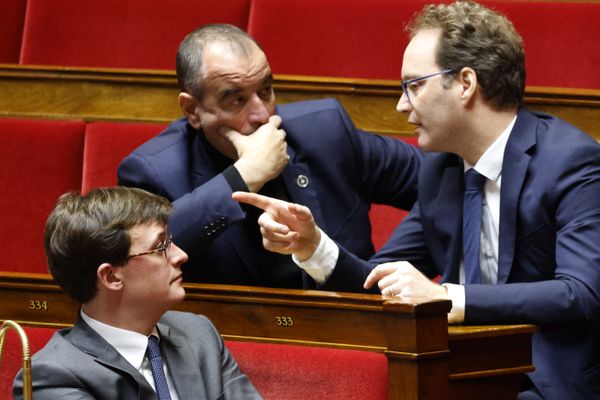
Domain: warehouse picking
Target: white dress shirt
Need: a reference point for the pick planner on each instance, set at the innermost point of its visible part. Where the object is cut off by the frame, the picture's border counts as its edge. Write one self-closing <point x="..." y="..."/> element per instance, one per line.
<point x="132" y="347"/>
<point x="321" y="264"/>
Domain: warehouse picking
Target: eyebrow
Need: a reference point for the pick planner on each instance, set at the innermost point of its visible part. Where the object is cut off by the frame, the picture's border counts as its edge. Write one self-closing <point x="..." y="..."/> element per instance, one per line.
<point x="230" y="92"/>
<point x="160" y="237"/>
<point x="267" y="81"/>
<point x="409" y="77"/>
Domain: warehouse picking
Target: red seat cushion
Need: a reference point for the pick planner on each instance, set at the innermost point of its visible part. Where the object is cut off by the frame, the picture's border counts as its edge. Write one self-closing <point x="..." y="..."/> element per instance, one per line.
<point x="287" y="372"/>
<point x="118" y="33"/>
<point x="345" y="38"/>
<point x="12" y="360"/>
<point x="106" y="144"/>
<point x="41" y="159"/>
<point x="12" y="15"/>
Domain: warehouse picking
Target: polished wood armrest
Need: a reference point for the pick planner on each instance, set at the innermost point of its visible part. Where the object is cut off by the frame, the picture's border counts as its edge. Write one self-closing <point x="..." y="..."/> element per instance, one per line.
<point x="427" y="359"/>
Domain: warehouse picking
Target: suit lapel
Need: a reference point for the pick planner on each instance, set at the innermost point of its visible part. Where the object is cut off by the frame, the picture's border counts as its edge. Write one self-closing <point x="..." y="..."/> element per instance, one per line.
<point x="87" y="340"/>
<point x="448" y="218"/>
<point x="514" y="169"/>
<point x="301" y="187"/>
<point x="182" y="364"/>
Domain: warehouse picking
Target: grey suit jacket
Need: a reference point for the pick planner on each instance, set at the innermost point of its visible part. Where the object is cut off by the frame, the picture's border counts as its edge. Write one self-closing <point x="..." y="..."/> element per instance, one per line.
<point x="78" y="364"/>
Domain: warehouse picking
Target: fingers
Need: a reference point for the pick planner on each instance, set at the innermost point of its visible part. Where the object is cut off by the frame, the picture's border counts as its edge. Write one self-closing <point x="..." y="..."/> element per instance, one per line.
<point x="378" y="273"/>
<point x="256" y="200"/>
<point x="276" y="121"/>
<point x="276" y="237"/>
<point x="301" y="212"/>
<point x="272" y="229"/>
<point x="231" y="134"/>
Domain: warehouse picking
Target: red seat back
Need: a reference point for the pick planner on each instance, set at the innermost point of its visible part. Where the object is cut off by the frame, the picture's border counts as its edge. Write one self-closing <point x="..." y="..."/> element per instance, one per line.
<point x="343" y="38"/>
<point x="41" y="159"/>
<point x="12" y="15"/>
<point x="561" y="41"/>
<point x="287" y="372"/>
<point x="106" y="144"/>
<point x="12" y="359"/>
<point x="118" y="33"/>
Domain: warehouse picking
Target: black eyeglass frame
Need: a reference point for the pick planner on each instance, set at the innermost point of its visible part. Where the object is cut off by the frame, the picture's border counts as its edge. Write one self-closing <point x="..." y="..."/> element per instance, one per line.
<point x="405" y="84"/>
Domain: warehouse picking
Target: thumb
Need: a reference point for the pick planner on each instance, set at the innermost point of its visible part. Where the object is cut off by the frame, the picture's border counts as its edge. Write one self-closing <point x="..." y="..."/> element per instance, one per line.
<point x="231" y="134"/>
<point x="275" y="120"/>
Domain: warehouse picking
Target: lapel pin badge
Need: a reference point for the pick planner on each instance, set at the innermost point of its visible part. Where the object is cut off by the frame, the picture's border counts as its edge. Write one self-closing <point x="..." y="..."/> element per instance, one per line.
<point x="302" y="181"/>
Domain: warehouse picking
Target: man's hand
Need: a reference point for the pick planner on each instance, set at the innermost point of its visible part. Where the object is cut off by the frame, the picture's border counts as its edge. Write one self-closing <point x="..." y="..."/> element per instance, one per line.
<point x="401" y="278"/>
<point x="262" y="155"/>
<point x="286" y="228"/>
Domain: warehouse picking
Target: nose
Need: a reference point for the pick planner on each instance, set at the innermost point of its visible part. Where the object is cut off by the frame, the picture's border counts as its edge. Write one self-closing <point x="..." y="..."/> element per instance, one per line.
<point x="404" y="105"/>
<point x="177" y="256"/>
<point x="258" y="112"/>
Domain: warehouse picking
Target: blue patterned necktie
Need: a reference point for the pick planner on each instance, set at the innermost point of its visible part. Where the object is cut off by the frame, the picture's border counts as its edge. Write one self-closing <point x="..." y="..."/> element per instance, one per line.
<point x="472" y="205"/>
<point x="156" y="362"/>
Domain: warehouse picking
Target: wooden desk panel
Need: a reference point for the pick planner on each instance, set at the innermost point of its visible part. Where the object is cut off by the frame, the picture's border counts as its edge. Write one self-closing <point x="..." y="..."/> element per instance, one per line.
<point x="151" y="96"/>
<point x="426" y="358"/>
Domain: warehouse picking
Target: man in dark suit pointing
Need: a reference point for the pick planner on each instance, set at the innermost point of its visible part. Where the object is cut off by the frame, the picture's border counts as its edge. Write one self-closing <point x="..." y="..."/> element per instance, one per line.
<point x="508" y="210"/>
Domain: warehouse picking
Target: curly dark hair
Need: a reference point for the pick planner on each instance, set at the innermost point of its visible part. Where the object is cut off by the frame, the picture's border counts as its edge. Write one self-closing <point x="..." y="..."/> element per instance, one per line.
<point x="480" y="38"/>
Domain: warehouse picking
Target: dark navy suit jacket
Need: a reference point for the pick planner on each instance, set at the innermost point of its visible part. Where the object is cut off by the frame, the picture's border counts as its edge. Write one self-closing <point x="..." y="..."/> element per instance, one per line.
<point x="549" y="248"/>
<point x="346" y="170"/>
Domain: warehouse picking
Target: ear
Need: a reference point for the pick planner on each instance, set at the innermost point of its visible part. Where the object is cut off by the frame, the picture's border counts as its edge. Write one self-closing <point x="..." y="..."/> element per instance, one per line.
<point x="189" y="106"/>
<point x="467" y="77"/>
<point x="109" y="277"/>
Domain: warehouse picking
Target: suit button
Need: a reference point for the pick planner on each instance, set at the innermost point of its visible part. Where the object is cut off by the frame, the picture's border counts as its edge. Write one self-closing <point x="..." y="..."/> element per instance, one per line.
<point x="302" y="181"/>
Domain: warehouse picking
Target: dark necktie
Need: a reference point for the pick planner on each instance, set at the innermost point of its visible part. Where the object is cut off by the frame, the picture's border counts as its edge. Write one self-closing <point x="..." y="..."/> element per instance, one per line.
<point x="472" y="205"/>
<point x="156" y="362"/>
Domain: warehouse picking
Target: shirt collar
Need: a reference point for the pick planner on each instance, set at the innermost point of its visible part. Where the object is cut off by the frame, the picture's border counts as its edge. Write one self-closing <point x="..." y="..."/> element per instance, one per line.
<point x="130" y="345"/>
<point x="490" y="163"/>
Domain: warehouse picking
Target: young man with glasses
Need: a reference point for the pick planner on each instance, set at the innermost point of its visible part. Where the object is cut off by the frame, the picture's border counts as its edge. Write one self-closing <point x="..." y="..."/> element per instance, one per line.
<point x="508" y="211"/>
<point x="111" y="251"/>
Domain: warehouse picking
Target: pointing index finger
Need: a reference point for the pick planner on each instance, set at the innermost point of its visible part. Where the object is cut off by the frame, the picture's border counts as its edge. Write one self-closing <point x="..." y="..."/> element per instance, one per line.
<point x="256" y="200"/>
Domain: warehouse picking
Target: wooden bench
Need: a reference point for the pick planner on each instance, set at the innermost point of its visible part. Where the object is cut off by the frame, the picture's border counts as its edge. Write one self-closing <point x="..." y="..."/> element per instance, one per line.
<point x="426" y="358"/>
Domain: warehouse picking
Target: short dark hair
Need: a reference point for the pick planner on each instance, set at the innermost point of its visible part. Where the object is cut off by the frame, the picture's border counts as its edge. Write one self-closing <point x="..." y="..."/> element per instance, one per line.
<point x="191" y="50"/>
<point x="477" y="37"/>
<point x="84" y="231"/>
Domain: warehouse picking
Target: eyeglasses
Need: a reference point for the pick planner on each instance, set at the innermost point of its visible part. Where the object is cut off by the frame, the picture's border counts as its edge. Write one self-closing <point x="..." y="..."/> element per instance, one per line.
<point x="164" y="247"/>
<point x="409" y="87"/>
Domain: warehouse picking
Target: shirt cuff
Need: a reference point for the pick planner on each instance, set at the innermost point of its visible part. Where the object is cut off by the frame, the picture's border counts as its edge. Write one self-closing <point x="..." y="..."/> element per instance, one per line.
<point x="321" y="264"/>
<point x="456" y="293"/>
<point x="235" y="180"/>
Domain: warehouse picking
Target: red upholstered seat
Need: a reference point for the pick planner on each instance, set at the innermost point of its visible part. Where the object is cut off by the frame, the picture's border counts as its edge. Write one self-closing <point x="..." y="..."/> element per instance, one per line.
<point x="106" y="144"/>
<point x="286" y="372"/>
<point x="118" y="33"/>
<point x="41" y="159"/>
<point x="366" y="38"/>
<point x="384" y="219"/>
<point x="344" y="38"/>
<point x="561" y="41"/>
<point x="12" y="14"/>
<point x="12" y="359"/>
